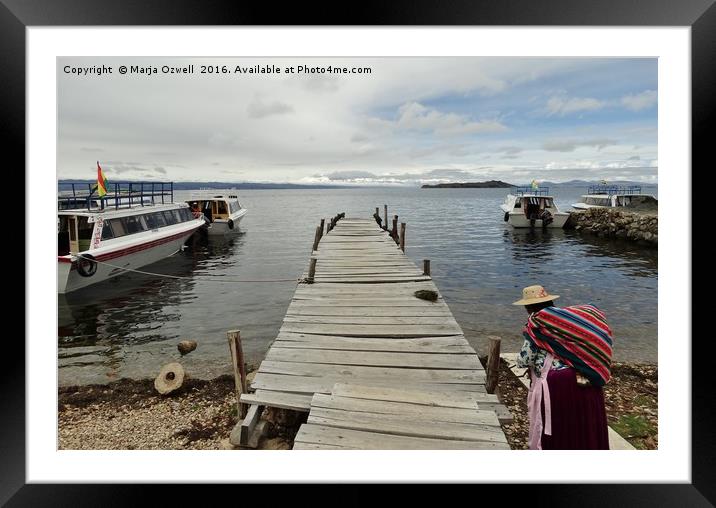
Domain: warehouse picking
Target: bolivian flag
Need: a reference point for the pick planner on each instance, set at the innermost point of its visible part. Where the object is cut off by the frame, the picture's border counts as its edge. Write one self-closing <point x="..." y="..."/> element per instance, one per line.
<point x="101" y="181"/>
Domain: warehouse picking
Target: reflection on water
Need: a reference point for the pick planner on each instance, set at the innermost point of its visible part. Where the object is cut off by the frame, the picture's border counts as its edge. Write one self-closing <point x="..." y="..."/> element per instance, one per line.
<point x="129" y="326"/>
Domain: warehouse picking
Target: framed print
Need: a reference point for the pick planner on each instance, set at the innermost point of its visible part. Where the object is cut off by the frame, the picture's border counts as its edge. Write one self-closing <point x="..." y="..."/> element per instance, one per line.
<point x="321" y="239"/>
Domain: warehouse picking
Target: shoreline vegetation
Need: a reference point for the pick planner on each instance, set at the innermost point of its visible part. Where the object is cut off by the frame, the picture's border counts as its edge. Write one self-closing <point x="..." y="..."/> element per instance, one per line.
<point x="130" y="415"/>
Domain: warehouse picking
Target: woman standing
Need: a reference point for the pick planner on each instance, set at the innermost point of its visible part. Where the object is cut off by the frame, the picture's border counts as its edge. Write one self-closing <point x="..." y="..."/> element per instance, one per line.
<point x="568" y="353"/>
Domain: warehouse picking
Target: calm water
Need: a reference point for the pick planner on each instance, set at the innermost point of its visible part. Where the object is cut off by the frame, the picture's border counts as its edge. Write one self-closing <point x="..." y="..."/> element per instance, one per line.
<point x="129" y="326"/>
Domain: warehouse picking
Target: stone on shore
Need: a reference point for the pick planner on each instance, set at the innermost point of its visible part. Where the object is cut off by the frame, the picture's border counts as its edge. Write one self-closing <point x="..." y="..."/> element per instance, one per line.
<point x="186" y="346"/>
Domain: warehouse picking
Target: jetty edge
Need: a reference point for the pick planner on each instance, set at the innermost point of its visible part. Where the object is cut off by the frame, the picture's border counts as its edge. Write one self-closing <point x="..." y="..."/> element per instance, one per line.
<point x="374" y="366"/>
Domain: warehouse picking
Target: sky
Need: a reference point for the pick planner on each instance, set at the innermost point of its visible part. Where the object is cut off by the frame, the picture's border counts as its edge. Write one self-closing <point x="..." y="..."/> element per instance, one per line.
<point x="408" y="121"/>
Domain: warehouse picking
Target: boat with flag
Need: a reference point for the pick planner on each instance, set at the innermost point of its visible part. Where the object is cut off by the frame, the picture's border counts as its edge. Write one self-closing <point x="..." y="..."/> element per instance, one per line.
<point x="104" y="230"/>
<point x="532" y="206"/>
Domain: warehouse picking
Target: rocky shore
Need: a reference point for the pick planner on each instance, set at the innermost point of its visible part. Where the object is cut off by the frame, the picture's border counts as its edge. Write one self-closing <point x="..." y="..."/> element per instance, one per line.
<point x="641" y="226"/>
<point x="131" y="415"/>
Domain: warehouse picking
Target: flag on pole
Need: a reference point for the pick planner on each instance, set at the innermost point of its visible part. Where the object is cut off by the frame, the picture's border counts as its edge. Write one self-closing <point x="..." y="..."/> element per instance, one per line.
<point x="535" y="185"/>
<point x="101" y="181"/>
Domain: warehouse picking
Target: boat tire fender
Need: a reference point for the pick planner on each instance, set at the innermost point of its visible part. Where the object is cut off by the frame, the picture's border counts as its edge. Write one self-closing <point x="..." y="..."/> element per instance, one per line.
<point x="86" y="265"/>
<point x="507" y="216"/>
<point x="230" y="223"/>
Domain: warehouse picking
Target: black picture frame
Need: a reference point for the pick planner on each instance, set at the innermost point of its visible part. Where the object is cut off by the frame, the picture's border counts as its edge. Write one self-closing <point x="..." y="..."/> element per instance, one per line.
<point x="16" y="15"/>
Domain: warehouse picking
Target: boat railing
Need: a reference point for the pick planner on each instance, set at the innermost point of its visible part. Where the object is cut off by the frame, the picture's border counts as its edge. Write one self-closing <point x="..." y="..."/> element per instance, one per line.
<point x="614" y="189"/>
<point x="540" y="191"/>
<point x="119" y="195"/>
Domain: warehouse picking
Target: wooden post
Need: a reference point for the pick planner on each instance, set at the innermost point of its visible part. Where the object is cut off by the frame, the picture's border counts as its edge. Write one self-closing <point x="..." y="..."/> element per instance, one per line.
<point x="377" y="211"/>
<point x="312" y="270"/>
<point x="323" y="223"/>
<point x="402" y="236"/>
<point x="385" y="209"/>
<point x="493" y="364"/>
<point x="237" y="361"/>
<point x="317" y="238"/>
<point x="426" y="267"/>
<point x="394" y="232"/>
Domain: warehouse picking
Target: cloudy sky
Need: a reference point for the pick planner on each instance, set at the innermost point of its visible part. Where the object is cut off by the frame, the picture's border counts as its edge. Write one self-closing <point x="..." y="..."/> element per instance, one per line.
<point x="408" y="121"/>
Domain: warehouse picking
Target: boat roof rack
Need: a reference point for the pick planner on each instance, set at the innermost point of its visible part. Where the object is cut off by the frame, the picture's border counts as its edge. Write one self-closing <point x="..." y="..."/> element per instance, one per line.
<point x="74" y="196"/>
<point x="614" y="189"/>
<point x="542" y="191"/>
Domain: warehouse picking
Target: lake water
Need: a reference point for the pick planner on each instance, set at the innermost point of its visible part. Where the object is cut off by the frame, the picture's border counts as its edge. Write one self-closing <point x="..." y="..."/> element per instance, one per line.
<point x="129" y="326"/>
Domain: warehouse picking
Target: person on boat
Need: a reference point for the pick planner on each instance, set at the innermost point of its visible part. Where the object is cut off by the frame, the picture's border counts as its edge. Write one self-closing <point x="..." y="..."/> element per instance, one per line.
<point x="195" y="209"/>
<point x="568" y="352"/>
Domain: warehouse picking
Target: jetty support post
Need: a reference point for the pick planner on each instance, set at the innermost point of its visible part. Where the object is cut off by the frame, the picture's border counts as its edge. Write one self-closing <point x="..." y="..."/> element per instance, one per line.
<point x="402" y="236"/>
<point x="312" y="270"/>
<point x="317" y="238"/>
<point x="426" y="267"/>
<point x="385" y="210"/>
<point x="237" y="362"/>
<point x="394" y="231"/>
<point x="323" y="224"/>
<point x="493" y="364"/>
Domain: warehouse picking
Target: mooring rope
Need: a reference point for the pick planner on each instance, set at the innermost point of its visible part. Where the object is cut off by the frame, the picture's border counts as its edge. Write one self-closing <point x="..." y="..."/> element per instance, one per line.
<point x="167" y="276"/>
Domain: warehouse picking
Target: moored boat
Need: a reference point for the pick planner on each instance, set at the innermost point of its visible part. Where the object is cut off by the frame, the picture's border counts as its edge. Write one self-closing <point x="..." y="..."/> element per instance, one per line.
<point x="612" y="196"/>
<point x="134" y="225"/>
<point x="532" y="208"/>
<point x="223" y="212"/>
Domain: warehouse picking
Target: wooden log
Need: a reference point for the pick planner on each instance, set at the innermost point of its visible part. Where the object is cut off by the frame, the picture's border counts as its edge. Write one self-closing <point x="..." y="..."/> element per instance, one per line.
<point x="402" y="236"/>
<point x="312" y="270"/>
<point x="493" y="364"/>
<point x="316" y="238"/>
<point x="237" y="362"/>
<point x="426" y="267"/>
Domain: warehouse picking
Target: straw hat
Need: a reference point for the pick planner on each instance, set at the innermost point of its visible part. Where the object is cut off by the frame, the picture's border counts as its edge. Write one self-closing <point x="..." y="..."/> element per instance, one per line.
<point x="170" y="378"/>
<point x="535" y="294"/>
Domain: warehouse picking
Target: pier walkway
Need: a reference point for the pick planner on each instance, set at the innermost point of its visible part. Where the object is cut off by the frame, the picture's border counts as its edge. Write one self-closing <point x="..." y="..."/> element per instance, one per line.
<point x="375" y="366"/>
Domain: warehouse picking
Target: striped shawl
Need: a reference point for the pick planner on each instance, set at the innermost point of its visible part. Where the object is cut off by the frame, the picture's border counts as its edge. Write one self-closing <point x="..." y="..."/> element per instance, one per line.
<point x="578" y="335"/>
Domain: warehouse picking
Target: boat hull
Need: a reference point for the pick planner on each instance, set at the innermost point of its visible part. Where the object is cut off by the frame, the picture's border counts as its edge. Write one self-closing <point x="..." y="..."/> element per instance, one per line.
<point x="518" y="220"/>
<point x="221" y="226"/>
<point x="69" y="278"/>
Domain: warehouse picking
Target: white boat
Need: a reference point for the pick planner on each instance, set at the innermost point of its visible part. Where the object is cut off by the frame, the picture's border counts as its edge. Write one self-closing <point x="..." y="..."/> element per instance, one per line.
<point x="612" y="196"/>
<point x="223" y="212"/>
<point x="125" y="230"/>
<point x="532" y="208"/>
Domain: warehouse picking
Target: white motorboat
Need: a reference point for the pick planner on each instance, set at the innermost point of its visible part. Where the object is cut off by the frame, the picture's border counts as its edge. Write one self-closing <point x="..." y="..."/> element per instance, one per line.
<point x="532" y="208"/>
<point x="136" y="225"/>
<point x="223" y="212"/>
<point x="612" y="196"/>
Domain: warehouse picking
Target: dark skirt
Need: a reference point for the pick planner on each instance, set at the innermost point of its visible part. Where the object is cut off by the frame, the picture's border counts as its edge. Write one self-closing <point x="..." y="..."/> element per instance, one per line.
<point x="579" y="418"/>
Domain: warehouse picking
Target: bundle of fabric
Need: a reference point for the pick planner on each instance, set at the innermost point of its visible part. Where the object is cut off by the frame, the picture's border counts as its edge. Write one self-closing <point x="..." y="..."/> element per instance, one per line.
<point x="578" y="335"/>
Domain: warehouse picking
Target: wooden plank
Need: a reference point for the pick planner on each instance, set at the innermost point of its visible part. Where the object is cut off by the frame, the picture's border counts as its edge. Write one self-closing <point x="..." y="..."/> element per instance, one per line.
<point x="328" y="310"/>
<point x="373" y="320"/>
<point x="377" y="359"/>
<point x="430" y="398"/>
<point x="332" y="436"/>
<point x="292" y="401"/>
<point x="410" y="426"/>
<point x="407" y="410"/>
<point x="366" y="330"/>
<point x="400" y="374"/>
<point x="249" y="423"/>
<point x="450" y="346"/>
<point x="309" y="300"/>
<point x="324" y="384"/>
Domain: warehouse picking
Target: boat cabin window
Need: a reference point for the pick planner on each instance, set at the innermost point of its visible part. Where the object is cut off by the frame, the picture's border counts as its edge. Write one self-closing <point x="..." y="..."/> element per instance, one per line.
<point x="84" y="232"/>
<point x="518" y="203"/>
<point x="132" y="224"/>
<point x="107" y="233"/>
<point x="222" y="209"/>
<point x="548" y="203"/>
<point x="169" y="217"/>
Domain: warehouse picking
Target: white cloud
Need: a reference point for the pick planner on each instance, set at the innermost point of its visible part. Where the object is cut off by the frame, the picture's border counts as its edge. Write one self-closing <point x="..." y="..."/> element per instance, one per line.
<point x="643" y="100"/>
<point x="566" y="145"/>
<point x="564" y="106"/>
<point x="259" y="109"/>
<point x="415" y="116"/>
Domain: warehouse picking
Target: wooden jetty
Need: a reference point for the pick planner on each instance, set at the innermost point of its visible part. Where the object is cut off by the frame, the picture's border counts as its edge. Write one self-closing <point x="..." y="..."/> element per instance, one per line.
<point x="375" y="366"/>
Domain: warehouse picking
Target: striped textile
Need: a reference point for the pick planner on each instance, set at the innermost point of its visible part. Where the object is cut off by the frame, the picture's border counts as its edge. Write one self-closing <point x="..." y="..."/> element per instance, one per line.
<point x="578" y="335"/>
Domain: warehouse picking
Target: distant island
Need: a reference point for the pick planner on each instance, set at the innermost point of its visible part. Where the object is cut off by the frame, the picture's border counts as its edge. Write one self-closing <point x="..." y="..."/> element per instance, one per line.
<point x="492" y="184"/>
